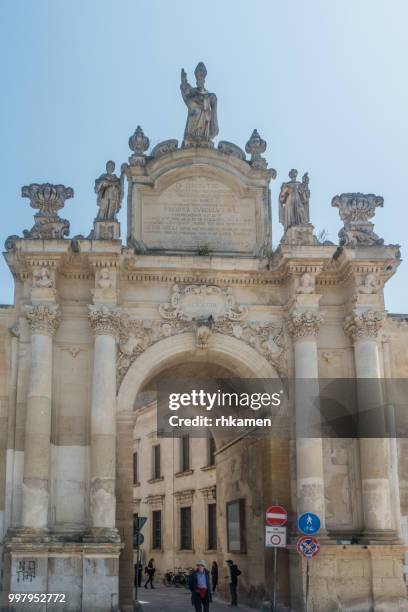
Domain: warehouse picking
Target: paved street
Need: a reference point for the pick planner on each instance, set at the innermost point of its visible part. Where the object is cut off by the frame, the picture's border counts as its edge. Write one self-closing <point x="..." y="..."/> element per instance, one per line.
<point x="164" y="598"/>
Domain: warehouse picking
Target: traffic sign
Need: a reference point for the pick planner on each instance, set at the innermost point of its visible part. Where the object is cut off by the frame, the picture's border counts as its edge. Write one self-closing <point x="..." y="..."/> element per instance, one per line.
<point x="138" y="523"/>
<point x="138" y="539"/>
<point x="276" y="515"/>
<point x="275" y="537"/>
<point x="308" y="523"/>
<point x="308" y="546"/>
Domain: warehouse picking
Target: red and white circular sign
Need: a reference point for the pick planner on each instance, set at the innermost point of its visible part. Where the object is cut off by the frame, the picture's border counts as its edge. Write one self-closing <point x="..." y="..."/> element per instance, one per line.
<point x="275" y="539"/>
<point x="276" y="515"/>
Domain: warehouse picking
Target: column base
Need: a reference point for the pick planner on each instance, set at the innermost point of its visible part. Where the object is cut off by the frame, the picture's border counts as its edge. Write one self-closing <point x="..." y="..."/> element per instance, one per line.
<point x="101" y="535"/>
<point x="28" y="534"/>
<point x="379" y="536"/>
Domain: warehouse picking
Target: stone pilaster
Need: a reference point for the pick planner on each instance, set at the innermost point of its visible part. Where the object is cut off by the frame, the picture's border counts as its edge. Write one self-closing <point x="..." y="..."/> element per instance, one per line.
<point x="363" y="327"/>
<point x="105" y="323"/>
<point x="43" y="320"/>
<point x="303" y="325"/>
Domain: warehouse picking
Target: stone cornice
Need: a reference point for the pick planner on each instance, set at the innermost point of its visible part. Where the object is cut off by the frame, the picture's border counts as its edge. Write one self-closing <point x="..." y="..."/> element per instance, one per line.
<point x="104" y="320"/>
<point x="364" y="325"/>
<point x="304" y="324"/>
<point x="43" y="318"/>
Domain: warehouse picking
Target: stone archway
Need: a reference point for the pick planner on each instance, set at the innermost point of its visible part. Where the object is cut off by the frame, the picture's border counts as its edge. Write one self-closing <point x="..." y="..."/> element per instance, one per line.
<point x="233" y="354"/>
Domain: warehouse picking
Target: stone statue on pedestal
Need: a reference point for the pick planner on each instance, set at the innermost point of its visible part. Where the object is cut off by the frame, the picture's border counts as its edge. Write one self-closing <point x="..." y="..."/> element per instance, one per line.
<point x="294" y="201"/>
<point x="202" y="122"/>
<point x="109" y="191"/>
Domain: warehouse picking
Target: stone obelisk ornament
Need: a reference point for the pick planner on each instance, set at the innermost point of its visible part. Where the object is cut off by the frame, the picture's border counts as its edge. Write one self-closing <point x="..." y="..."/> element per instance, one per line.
<point x="202" y="122"/>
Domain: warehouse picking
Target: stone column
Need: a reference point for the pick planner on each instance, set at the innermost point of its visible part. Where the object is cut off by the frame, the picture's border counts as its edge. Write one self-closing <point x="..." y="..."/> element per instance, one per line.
<point x="304" y="325"/>
<point x="105" y="323"/>
<point x="124" y="496"/>
<point x="44" y="320"/>
<point x="363" y="327"/>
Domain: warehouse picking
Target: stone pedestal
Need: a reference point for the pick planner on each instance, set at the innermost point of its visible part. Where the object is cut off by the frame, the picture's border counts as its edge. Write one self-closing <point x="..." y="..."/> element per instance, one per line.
<point x="84" y="575"/>
<point x="106" y="230"/>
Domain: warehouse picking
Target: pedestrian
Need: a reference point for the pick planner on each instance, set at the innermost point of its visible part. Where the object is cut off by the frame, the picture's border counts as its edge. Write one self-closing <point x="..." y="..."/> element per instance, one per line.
<point x="199" y="583"/>
<point x="234" y="572"/>
<point x="150" y="570"/>
<point x="214" y="576"/>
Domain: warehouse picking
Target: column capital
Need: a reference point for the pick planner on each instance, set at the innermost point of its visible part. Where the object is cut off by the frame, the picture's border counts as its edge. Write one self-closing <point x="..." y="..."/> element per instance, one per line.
<point x="104" y="320"/>
<point x="304" y="324"/>
<point x="364" y="325"/>
<point x="44" y="318"/>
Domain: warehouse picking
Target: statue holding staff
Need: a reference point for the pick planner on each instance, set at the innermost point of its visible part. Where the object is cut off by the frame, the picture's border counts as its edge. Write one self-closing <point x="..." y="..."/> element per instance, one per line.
<point x="202" y="123"/>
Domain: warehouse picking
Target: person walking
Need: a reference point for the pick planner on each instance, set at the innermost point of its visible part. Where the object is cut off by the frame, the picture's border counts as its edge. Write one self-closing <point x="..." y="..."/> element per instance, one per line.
<point x="150" y="570"/>
<point x="214" y="576"/>
<point x="199" y="583"/>
<point x="234" y="572"/>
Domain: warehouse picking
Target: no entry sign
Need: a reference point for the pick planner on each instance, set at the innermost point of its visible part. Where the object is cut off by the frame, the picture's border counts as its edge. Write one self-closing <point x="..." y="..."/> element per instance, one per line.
<point x="276" y="515"/>
<point x="275" y="537"/>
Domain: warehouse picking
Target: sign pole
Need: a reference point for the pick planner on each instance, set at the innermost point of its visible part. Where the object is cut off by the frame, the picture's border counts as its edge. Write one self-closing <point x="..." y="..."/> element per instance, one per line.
<point x="275" y="567"/>
<point x="307" y="584"/>
<point x="137" y="570"/>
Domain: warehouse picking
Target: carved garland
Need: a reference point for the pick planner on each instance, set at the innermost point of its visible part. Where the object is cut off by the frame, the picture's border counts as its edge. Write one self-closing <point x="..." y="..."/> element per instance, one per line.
<point x="136" y="336"/>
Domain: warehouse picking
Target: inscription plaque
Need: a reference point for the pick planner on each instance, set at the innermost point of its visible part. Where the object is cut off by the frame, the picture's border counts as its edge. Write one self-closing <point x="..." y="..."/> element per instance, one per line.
<point x="199" y="213"/>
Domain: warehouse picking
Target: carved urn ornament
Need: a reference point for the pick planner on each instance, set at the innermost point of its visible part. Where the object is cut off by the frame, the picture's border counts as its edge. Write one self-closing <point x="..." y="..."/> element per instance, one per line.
<point x="355" y="210"/>
<point x="255" y="147"/>
<point x="138" y="143"/>
<point x="48" y="199"/>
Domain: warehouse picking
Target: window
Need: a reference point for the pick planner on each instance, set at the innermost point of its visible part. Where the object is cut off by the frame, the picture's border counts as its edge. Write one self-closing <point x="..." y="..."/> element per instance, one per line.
<point x="185" y="528"/>
<point x="212" y="526"/>
<point x="236" y="525"/>
<point x="185" y="453"/>
<point x="156" y="462"/>
<point x="156" y="529"/>
<point x="135" y="469"/>
<point x="211" y="450"/>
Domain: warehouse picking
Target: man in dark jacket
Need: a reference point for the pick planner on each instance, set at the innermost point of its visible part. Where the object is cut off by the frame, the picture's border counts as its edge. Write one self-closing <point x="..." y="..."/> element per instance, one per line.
<point x="234" y="572"/>
<point x="200" y="587"/>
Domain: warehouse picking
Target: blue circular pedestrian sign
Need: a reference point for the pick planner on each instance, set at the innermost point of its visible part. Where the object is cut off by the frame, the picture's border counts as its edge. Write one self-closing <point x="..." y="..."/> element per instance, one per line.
<point x="308" y="523"/>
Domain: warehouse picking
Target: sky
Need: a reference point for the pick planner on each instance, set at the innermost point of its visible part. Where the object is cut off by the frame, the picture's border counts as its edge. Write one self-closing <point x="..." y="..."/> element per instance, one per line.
<point x="323" y="81"/>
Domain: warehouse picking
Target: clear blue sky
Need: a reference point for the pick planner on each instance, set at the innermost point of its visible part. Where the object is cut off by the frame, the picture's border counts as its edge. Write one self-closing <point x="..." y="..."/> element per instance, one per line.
<point x="324" y="81"/>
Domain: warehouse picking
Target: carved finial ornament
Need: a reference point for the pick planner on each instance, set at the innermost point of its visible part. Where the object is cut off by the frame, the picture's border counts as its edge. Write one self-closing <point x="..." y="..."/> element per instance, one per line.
<point x="364" y="325"/>
<point x="44" y="318"/>
<point x="48" y="199"/>
<point x="304" y="324"/>
<point x="138" y="142"/>
<point x="355" y="210"/>
<point x="255" y="147"/>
